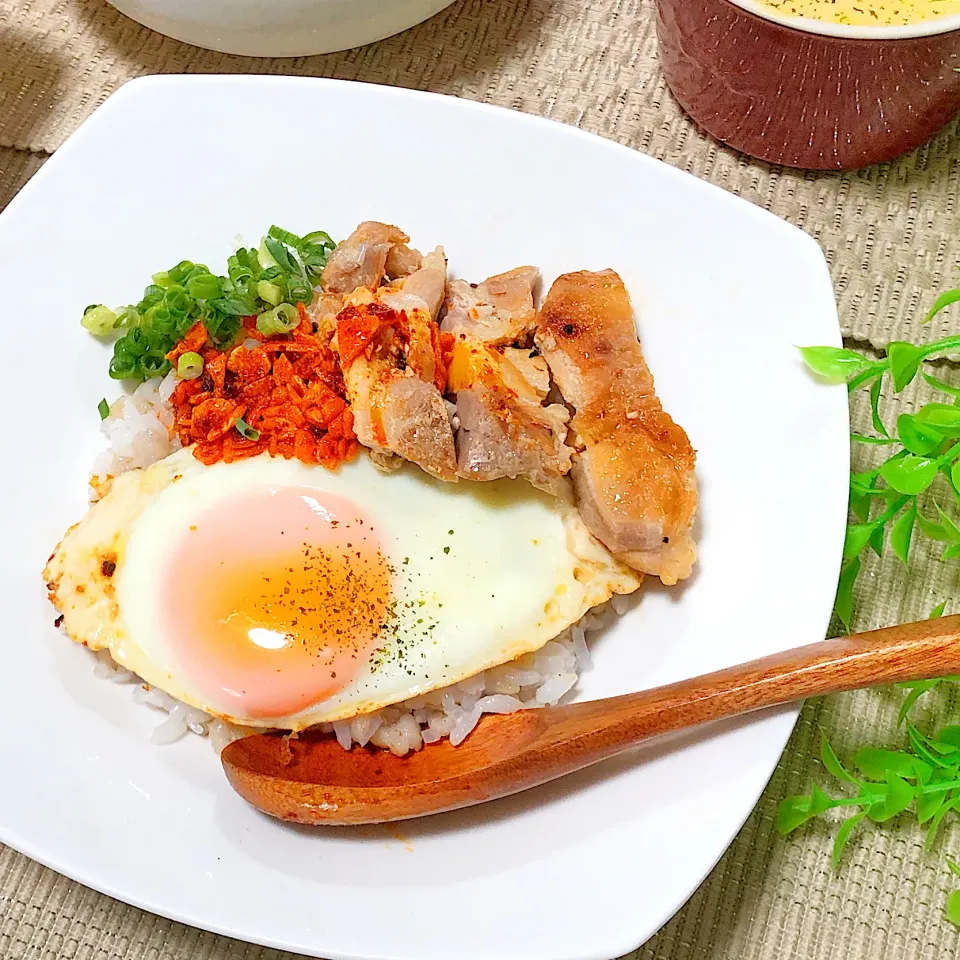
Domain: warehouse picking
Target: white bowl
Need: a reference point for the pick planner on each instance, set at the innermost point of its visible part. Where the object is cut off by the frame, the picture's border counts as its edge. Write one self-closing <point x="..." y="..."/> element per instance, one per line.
<point x="279" y="28"/>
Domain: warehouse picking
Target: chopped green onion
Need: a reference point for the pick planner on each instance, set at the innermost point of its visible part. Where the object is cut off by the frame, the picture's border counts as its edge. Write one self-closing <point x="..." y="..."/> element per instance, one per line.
<point x="269" y="292"/>
<point x="319" y="238"/>
<point x="127" y="317"/>
<point x="284" y="236"/>
<point x="183" y="270"/>
<point x="299" y="291"/>
<point x="189" y="366"/>
<point x="276" y="276"/>
<point x="281" y="319"/>
<point x="281" y="255"/>
<point x="104" y="409"/>
<point x="245" y="430"/>
<point x="99" y="320"/>
<point x="264" y="256"/>
<point x="205" y="287"/>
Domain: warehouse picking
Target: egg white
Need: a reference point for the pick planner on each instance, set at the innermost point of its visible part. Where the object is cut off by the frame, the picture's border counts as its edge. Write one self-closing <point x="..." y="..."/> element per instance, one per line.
<point x="519" y="568"/>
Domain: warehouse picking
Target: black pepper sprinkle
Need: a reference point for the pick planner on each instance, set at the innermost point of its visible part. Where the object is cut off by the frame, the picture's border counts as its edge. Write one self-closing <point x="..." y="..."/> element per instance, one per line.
<point x="108" y="568"/>
<point x="58" y="621"/>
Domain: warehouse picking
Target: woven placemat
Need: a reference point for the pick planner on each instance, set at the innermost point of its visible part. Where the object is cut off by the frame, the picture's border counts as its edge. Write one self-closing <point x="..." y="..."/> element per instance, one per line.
<point x="891" y="236"/>
<point x="589" y="64"/>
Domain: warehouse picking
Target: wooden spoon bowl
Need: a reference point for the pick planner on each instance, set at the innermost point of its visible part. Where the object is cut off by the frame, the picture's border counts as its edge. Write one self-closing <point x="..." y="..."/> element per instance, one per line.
<point x="311" y="779"/>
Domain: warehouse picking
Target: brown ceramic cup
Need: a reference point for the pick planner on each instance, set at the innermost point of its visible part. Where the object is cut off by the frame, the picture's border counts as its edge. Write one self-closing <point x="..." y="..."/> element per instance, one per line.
<point x="804" y="92"/>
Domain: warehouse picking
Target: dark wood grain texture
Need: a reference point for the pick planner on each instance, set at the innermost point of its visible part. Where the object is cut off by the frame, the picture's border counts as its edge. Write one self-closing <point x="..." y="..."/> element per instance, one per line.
<point x="312" y="779"/>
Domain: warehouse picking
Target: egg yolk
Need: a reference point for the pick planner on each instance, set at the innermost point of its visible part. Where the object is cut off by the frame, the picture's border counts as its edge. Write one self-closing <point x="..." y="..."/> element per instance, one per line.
<point x="275" y="599"/>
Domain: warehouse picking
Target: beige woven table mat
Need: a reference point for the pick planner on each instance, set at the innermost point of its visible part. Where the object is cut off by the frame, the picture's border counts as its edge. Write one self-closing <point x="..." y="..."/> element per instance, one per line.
<point x="892" y="237"/>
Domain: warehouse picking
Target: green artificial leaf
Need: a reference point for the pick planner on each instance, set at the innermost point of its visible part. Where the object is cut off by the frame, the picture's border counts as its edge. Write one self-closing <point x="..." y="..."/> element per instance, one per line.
<point x="905" y="360"/>
<point x="917" y="689"/>
<point x="876" y="764"/>
<point x="944" y="418"/>
<point x="902" y="532"/>
<point x="955" y="476"/>
<point x="820" y="802"/>
<point x="931" y="529"/>
<point x="878" y="424"/>
<point x="832" y="762"/>
<point x="844" y="601"/>
<point x="865" y="483"/>
<point x="953" y="867"/>
<point x="949" y="734"/>
<point x="937" y="611"/>
<point x="936" y="754"/>
<point x="861" y="506"/>
<point x="944" y="346"/>
<point x="876" y="441"/>
<point x="953" y="908"/>
<point x="951" y="553"/>
<point x="792" y="813"/>
<point x="899" y="795"/>
<point x="910" y="474"/>
<point x="947" y="751"/>
<point x="917" y="437"/>
<point x="931" y="835"/>
<point x="844" y="834"/>
<point x="877" y="539"/>
<point x="942" y="386"/>
<point x="834" y="363"/>
<point x="949" y="527"/>
<point x="928" y="806"/>
<point x="944" y="300"/>
<point x="858" y="536"/>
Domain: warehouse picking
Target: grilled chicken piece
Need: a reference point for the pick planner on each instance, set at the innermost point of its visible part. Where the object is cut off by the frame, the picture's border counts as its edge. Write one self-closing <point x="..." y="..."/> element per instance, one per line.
<point x="423" y="288"/>
<point x="402" y="261"/>
<point x="389" y="346"/>
<point x="372" y="251"/>
<point x="504" y="429"/>
<point x="634" y="479"/>
<point x="500" y="310"/>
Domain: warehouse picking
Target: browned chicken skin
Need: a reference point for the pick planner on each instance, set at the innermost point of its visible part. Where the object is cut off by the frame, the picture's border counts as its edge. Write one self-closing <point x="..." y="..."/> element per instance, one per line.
<point x="635" y="476"/>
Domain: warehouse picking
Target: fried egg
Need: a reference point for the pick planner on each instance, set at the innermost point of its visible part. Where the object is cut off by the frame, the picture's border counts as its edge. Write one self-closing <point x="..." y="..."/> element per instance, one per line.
<point x="274" y="594"/>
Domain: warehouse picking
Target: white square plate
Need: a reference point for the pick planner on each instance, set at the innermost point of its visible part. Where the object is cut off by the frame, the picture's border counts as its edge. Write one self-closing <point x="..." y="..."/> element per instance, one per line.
<point x="173" y="168"/>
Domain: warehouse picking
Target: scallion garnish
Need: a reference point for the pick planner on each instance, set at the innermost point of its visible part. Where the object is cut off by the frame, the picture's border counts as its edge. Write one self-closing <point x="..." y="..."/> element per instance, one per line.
<point x="189" y="366"/>
<point x="245" y="430"/>
<point x="275" y="277"/>
<point x="269" y="292"/>
<point x="104" y="409"/>
<point x="281" y="319"/>
<point x="99" y="320"/>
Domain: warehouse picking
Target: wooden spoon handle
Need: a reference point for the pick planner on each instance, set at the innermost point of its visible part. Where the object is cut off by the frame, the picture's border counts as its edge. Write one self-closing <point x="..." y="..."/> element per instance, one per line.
<point x="591" y="731"/>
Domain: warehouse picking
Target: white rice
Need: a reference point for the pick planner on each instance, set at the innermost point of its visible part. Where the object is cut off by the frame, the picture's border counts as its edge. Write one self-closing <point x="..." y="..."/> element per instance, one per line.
<point x="140" y="431"/>
<point x="539" y="679"/>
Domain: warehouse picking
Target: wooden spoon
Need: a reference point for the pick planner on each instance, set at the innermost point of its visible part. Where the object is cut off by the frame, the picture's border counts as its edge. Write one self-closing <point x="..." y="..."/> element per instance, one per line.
<point x="312" y="779"/>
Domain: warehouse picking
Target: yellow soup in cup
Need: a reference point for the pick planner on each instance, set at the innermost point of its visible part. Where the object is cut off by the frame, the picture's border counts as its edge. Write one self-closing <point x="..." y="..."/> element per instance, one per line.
<point x="867" y="13"/>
